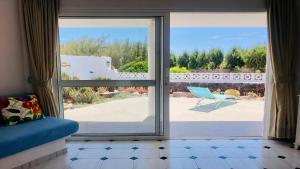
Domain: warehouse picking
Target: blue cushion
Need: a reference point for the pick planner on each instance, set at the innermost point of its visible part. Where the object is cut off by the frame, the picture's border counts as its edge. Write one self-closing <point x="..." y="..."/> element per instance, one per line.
<point x="14" y="139"/>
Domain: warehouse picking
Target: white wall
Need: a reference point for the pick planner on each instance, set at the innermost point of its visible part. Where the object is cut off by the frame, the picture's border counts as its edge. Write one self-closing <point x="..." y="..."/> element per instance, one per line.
<point x="12" y="66"/>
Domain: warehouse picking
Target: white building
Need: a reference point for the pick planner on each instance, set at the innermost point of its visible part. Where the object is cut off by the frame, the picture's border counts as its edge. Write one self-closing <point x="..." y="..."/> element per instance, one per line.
<point x="88" y="67"/>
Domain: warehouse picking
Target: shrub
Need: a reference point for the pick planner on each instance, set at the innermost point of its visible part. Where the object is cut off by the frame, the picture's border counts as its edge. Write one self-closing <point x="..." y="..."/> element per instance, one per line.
<point x="234" y="60"/>
<point x="215" y="57"/>
<point x="141" y="90"/>
<point x="65" y="76"/>
<point x="67" y="93"/>
<point x="252" y="94"/>
<point x="84" y="95"/>
<point x="256" y="58"/>
<point x="130" y="90"/>
<point x="178" y="70"/>
<point x="102" y="89"/>
<point x="232" y="92"/>
<point x="183" y="61"/>
<point x="134" y="67"/>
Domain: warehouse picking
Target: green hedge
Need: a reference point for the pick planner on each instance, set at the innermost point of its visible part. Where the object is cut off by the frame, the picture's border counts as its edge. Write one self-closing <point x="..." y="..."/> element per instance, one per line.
<point x="236" y="59"/>
<point x="141" y="67"/>
<point x="178" y="70"/>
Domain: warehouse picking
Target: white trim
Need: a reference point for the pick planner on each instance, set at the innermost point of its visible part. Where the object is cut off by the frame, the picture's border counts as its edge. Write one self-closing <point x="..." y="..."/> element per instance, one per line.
<point x="32" y="154"/>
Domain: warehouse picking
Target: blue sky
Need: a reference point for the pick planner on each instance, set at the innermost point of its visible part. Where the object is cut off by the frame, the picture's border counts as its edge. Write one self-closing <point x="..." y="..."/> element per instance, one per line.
<point x="182" y="39"/>
<point x="223" y="38"/>
<point x="112" y="34"/>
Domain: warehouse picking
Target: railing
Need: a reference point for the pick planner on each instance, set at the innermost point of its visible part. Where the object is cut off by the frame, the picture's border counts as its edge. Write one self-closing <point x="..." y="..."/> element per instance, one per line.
<point x="202" y="77"/>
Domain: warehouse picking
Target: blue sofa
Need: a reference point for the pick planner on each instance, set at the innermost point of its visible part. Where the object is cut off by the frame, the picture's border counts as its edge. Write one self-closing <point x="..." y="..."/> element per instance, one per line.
<point x="17" y="138"/>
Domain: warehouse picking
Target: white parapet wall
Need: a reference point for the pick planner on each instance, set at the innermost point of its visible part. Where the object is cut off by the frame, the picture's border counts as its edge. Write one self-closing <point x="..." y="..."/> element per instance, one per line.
<point x="95" y="68"/>
<point x="258" y="78"/>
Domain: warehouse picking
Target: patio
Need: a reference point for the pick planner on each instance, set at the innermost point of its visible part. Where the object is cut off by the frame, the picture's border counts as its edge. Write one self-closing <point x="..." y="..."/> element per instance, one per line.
<point x="241" y="119"/>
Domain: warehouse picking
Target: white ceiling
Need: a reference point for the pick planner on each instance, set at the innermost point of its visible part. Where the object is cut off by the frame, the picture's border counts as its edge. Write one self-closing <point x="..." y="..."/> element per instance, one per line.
<point x="218" y="19"/>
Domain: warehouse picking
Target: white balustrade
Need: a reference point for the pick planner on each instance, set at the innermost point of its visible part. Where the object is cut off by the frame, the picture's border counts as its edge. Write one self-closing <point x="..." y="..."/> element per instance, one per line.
<point x="201" y="77"/>
<point x="133" y="76"/>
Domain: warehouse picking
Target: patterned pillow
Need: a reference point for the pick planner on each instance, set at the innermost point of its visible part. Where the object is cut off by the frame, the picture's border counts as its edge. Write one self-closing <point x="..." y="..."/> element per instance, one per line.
<point x="16" y="110"/>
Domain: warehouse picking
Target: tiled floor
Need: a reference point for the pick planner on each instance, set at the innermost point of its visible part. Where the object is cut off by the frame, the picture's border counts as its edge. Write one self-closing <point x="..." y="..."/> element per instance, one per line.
<point x="177" y="154"/>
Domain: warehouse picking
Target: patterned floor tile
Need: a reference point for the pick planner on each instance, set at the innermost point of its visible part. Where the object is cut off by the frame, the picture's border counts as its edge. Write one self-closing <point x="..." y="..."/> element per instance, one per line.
<point x="176" y="154"/>
<point x="117" y="163"/>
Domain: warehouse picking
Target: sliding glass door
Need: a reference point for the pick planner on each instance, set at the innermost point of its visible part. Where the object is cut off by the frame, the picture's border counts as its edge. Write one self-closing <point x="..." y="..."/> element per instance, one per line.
<point x="109" y="74"/>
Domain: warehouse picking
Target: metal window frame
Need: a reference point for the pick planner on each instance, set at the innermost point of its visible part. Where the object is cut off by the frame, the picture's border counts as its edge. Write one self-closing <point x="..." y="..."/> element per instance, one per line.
<point x="161" y="81"/>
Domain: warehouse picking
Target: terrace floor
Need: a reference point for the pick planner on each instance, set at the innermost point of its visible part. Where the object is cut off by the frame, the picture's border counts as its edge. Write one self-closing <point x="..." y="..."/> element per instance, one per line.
<point x="243" y="118"/>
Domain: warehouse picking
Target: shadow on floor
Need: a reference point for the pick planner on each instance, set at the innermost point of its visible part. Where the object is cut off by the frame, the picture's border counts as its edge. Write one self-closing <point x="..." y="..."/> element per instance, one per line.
<point x="213" y="106"/>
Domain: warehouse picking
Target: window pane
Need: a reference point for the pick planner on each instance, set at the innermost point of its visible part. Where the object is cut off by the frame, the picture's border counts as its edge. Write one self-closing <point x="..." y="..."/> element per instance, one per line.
<point x="107" y="49"/>
<point x="111" y="109"/>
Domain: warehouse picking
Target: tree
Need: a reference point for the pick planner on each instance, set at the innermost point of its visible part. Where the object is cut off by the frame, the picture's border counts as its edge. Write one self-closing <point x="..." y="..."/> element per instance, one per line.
<point x="193" y="64"/>
<point x="121" y="52"/>
<point x="139" y="52"/>
<point x="183" y="61"/>
<point x="83" y="46"/>
<point x="234" y="59"/>
<point x="172" y="60"/>
<point x="114" y="50"/>
<point x="202" y="60"/>
<point x="216" y="57"/>
<point x="256" y="58"/>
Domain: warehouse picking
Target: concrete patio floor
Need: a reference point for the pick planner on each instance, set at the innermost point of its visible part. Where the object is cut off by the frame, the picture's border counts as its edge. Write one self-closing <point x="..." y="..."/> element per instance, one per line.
<point x="185" y="109"/>
<point x="244" y="118"/>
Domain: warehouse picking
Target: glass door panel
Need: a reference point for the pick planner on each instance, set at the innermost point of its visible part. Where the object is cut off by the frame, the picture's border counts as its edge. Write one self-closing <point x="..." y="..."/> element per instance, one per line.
<point x="111" y="109"/>
<point x="109" y="71"/>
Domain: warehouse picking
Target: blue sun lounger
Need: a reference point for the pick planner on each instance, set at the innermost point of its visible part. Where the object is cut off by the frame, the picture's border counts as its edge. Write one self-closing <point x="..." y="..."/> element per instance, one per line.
<point x="204" y="93"/>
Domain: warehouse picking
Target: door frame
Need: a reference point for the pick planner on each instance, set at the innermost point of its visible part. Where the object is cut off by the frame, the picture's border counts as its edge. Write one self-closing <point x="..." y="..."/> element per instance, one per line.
<point x="161" y="71"/>
<point x="268" y="72"/>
